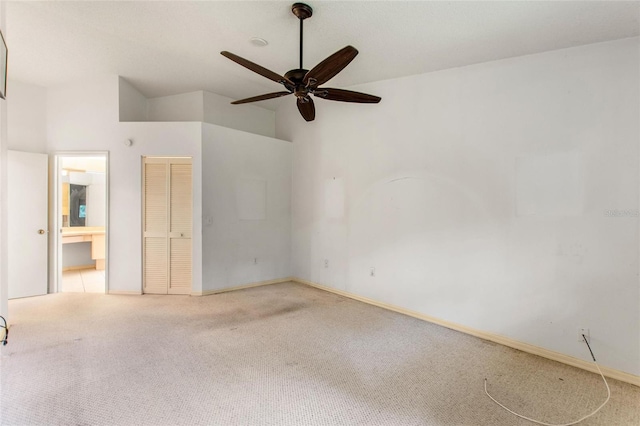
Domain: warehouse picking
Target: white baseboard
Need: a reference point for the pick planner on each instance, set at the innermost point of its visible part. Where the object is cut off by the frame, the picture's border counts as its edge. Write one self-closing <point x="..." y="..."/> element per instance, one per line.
<point x="240" y="287"/>
<point x="125" y="292"/>
<point x="506" y="341"/>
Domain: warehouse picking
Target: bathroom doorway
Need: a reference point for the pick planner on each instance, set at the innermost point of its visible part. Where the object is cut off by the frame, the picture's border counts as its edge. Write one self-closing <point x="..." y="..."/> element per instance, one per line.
<point x="81" y="213"/>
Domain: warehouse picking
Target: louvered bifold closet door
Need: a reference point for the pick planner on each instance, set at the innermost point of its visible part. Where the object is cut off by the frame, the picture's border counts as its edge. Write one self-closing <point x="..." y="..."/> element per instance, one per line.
<point x="155" y="249"/>
<point x="180" y="227"/>
<point x="167" y="209"/>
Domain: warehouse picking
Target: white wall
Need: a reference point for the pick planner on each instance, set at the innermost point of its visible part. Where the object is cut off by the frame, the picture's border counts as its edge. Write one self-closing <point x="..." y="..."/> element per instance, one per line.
<point x="26" y="117"/>
<point x="79" y="113"/>
<point x="182" y="107"/>
<point x="200" y="106"/>
<point x="132" y="104"/>
<point x="84" y="116"/>
<point x="249" y="118"/>
<point x="479" y="195"/>
<point x="246" y="208"/>
<point x="4" y="284"/>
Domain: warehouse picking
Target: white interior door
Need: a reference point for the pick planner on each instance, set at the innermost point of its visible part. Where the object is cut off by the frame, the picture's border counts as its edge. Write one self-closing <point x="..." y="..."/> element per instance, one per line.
<point x="27" y="177"/>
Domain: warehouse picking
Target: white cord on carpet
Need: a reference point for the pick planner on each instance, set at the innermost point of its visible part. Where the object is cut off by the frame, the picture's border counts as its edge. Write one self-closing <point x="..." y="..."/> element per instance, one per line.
<point x="563" y="424"/>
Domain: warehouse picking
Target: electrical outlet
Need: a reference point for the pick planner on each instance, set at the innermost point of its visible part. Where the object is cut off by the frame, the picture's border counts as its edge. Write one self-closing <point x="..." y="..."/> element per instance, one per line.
<point x="584" y="331"/>
<point x="326" y="263"/>
<point x="372" y="272"/>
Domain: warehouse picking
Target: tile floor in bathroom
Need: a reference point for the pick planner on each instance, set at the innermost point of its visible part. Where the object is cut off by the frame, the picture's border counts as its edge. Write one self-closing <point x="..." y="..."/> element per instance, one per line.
<point x="83" y="281"/>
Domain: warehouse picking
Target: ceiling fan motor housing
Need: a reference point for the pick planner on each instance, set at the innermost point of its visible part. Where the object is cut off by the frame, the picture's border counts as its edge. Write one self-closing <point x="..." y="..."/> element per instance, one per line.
<point x="296" y="76"/>
<point x="301" y="10"/>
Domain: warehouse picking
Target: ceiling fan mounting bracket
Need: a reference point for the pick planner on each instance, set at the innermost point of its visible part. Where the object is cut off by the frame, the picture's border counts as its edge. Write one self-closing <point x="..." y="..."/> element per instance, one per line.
<point x="301" y="10"/>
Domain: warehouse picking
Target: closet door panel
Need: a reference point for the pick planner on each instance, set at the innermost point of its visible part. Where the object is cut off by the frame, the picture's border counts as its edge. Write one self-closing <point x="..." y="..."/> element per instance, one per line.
<point x="155" y="265"/>
<point x="181" y="199"/>
<point x="155" y="198"/>
<point x="180" y="266"/>
<point x="180" y="226"/>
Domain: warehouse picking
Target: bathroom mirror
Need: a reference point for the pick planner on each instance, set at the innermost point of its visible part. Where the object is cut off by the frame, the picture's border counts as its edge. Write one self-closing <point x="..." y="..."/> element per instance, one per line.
<point x="83" y="198"/>
<point x="77" y="204"/>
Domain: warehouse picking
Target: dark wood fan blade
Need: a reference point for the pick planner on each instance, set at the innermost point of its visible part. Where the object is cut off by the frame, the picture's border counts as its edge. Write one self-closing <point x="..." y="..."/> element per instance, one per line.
<point x="256" y="68"/>
<point x="306" y="108"/>
<point x="346" y="96"/>
<point x="331" y="66"/>
<point x="261" y="97"/>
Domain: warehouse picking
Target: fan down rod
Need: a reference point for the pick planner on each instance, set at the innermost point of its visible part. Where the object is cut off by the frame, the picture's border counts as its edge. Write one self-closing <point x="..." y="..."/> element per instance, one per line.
<point x="302" y="12"/>
<point x="301" y="22"/>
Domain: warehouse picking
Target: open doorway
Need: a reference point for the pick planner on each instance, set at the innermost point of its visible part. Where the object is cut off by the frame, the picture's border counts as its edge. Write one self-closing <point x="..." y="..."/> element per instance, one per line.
<point x="81" y="214"/>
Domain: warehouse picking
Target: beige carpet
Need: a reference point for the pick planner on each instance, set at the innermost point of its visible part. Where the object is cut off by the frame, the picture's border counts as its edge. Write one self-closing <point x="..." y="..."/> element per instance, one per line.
<point x="283" y="354"/>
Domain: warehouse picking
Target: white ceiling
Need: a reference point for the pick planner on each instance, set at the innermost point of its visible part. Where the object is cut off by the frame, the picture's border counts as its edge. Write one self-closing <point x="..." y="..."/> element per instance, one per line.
<point x="166" y="48"/>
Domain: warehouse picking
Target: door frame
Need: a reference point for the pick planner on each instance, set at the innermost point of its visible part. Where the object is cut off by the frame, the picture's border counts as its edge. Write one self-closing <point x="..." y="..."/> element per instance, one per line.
<point x="55" y="202"/>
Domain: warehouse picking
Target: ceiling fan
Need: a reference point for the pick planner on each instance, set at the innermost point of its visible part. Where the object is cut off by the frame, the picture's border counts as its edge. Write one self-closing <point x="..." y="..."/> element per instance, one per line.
<point x="301" y="82"/>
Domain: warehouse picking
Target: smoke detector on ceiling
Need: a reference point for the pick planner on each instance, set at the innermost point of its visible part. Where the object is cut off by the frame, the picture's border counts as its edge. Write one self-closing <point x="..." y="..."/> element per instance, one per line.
<point x="257" y="41"/>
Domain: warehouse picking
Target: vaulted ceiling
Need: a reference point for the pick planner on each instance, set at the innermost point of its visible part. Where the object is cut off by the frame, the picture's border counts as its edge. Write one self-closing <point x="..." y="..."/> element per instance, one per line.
<point x="172" y="47"/>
